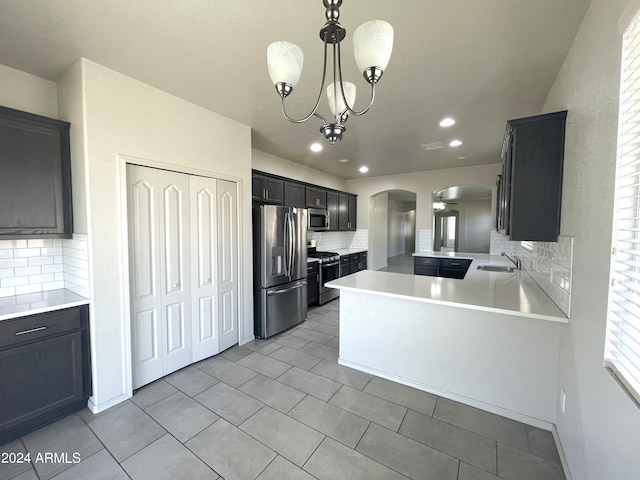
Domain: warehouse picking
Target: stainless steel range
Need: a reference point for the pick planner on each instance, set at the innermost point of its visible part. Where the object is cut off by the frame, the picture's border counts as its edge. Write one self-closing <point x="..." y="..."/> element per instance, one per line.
<point x="329" y="270"/>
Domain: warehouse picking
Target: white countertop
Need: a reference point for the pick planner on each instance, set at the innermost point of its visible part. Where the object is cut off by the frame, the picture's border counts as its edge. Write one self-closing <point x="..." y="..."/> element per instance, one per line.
<point x="468" y="256"/>
<point x="349" y="251"/>
<point x="507" y="293"/>
<point x="41" y="302"/>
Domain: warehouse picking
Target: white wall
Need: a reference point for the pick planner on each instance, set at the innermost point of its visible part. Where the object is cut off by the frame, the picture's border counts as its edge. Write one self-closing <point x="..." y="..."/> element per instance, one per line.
<point x="26" y="92"/>
<point x="423" y="184"/>
<point x="266" y="162"/>
<point x="121" y="116"/>
<point x="599" y="431"/>
<point x="379" y="211"/>
<point x="401" y="228"/>
<point x="475" y="219"/>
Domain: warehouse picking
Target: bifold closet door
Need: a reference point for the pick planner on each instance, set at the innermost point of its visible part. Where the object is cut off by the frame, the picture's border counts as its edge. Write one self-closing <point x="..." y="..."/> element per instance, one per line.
<point x="158" y="217"/>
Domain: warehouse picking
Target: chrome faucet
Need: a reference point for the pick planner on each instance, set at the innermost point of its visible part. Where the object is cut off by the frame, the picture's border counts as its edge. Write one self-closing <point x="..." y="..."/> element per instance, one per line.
<point x="515" y="260"/>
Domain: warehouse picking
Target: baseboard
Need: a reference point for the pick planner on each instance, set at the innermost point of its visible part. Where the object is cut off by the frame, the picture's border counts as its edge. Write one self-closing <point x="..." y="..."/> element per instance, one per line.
<point x="97" y="408"/>
<point x="563" y="459"/>
<point x="519" y="417"/>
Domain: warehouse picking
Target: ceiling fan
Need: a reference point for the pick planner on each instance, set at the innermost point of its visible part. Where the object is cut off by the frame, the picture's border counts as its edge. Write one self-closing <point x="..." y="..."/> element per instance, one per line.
<point x="440" y="205"/>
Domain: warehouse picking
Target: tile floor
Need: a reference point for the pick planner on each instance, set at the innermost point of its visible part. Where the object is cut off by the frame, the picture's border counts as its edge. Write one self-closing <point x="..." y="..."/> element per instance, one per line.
<point x="283" y="409"/>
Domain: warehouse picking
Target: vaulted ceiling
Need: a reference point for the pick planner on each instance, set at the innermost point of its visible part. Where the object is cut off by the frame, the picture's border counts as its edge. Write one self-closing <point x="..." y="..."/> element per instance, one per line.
<point x="481" y="63"/>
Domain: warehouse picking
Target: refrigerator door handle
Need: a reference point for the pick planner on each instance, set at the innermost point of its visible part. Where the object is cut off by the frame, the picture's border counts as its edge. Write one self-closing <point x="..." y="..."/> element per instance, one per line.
<point x="285" y="290"/>
<point x="292" y="240"/>
<point x="287" y="244"/>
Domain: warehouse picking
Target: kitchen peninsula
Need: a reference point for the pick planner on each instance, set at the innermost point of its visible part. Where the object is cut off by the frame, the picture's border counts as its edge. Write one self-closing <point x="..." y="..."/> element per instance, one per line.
<point x="489" y="340"/>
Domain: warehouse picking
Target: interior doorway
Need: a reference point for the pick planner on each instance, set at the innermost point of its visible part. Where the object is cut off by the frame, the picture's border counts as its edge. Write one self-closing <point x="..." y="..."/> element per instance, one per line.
<point x="447" y="231"/>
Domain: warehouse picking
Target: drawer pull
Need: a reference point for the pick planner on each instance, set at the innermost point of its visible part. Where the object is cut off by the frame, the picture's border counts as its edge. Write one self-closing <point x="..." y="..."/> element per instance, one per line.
<point x="454" y="264"/>
<point x="24" y="332"/>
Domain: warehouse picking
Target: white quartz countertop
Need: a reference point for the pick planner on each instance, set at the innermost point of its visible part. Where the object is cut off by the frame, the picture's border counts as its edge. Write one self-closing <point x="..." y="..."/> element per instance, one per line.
<point x="506" y="293"/>
<point x="349" y="251"/>
<point x="41" y="302"/>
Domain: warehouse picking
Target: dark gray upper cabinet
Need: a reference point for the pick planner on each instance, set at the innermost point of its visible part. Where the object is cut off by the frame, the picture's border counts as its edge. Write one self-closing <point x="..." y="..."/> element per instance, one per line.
<point x="267" y="190"/>
<point x="347" y="210"/>
<point x="332" y="208"/>
<point x="294" y="195"/>
<point x="35" y="185"/>
<point x="316" y="197"/>
<point x="530" y="194"/>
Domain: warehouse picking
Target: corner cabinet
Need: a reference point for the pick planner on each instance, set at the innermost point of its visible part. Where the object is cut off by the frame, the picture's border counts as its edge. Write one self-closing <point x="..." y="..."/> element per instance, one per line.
<point x="46" y="369"/>
<point x="35" y="185"/>
<point x="530" y="186"/>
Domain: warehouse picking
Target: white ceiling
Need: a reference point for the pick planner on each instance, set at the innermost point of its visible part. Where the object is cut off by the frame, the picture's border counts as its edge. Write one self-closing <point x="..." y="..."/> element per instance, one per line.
<point x="481" y="62"/>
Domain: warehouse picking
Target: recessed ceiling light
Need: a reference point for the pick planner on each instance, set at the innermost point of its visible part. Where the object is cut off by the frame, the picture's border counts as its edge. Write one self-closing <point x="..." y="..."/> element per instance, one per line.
<point x="364" y="169"/>
<point x="316" y="147"/>
<point x="447" y="122"/>
<point x="343" y="160"/>
<point x="455" y="143"/>
<point x="461" y="157"/>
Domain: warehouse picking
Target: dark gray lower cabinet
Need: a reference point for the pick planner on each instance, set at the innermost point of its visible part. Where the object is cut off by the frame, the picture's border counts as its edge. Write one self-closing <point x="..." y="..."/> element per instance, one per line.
<point x="353" y="263"/>
<point x="441" y="267"/>
<point x="313" y="283"/>
<point x="45" y="369"/>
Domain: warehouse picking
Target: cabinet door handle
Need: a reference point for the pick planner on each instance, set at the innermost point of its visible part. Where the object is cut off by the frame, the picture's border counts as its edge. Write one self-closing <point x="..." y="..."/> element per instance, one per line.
<point x="454" y="264"/>
<point x="24" y="332"/>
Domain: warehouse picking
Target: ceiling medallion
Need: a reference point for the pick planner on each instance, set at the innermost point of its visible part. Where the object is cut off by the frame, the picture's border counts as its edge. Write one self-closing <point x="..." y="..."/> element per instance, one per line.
<point x="372" y="45"/>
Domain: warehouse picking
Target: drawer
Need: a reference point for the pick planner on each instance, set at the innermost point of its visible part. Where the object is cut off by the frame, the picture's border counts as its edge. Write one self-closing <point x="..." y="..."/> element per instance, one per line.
<point x="426" y="271"/>
<point x="354" y="257"/>
<point x="455" y="263"/>
<point x="312" y="267"/>
<point x="34" y="327"/>
<point x="344" y="259"/>
<point x="427" y="261"/>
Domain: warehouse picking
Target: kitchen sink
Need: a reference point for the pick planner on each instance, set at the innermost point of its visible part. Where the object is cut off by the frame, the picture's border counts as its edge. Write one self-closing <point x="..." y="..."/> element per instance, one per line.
<point x="496" y="268"/>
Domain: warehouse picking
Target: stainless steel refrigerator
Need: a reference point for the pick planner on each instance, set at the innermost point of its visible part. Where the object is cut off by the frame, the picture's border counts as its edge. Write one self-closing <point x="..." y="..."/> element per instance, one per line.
<point x="279" y="268"/>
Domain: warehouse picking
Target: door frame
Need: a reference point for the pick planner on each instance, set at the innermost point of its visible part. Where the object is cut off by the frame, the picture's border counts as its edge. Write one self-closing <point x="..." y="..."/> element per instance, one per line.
<point x="437" y="228"/>
<point x="122" y="161"/>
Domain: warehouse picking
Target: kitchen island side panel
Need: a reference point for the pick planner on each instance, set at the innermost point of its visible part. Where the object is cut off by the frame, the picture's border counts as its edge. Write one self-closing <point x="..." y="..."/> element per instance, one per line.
<point x="504" y="364"/>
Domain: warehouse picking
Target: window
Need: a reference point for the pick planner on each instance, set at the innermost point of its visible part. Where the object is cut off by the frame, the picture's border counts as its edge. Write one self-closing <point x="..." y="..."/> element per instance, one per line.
<point x="622" y="347"/>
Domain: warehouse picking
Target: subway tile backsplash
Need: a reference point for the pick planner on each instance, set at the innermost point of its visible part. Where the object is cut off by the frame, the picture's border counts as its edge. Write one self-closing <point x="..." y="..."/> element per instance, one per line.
<point x="329" y="241"/>
<point x="40" y="265"/>
<point x="550" y="264"/>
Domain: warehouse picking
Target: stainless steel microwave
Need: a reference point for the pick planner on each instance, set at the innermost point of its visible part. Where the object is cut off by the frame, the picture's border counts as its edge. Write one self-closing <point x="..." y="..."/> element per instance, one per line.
<point x="318" y="219"/>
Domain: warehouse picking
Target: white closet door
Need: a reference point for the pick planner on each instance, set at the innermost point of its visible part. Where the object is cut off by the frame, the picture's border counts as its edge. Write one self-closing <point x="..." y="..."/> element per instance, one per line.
<point x="227" y="263"/>
<point x="145" y="279"/>
<point x="175" y="270"/>
<point x="204" y="290"/>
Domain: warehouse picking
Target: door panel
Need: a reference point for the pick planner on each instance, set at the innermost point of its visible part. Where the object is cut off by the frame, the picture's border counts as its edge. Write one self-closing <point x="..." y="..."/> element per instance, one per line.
<point x="203" y="260"/>
<point x="228" y="263"/>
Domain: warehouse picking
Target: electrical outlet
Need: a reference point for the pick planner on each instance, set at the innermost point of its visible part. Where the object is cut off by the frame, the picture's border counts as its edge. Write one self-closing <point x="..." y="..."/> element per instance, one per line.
<point x="563" y="400"/>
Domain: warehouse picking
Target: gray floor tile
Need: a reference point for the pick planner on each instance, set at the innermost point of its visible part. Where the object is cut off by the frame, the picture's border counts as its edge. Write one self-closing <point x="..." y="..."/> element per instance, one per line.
<point x="232" y="453"/>
<point x="322" y="351"/>
<point x="334" y="461"/>
<point x="235" y="353"/>
<point x="344" y="375"/>
<point x="229" y="403"/>
<point x="502" y="429"/>
<point x="329" y="312"/>
<point x="367" y="406"/>
<point x="273" y="393"/>
<point x="514" y="464"/>
<point x="167" y="459"/>
<point x="152" y="393"/>
<point x="264" y="347"/>
<point x="227" y="371"/>
<point x="191" y="380"/>
<point x="291" y="341"/>
<point x="542" y="444"/>
<point x="28" y="475"/>
<point x="407" y="456"/>
<point x="181" y="415"/>
<point x="332" y="320"/>
<point x="311" y="335"/>
<point x="335" y="422"/>
<point x="469" y="472"/>
<point x="295" y="358"/>
<point x="333" y="330"/>
<point x="334" y="343"/>
<point x="100" y="466"/>
<point x="310" y="383"/>
<point x="265" y="365"/>
<point x="88" y="416"/>
<point x="288" y="437"/>
<point x="311" y="324"/>
<point x="448" y="438"/>
<point x="12" y="468"/>
<point x="411" y="398"/>
<point x="126" y="430"/>
<point x="69" y="435"/>
<point x="283" y="469"/>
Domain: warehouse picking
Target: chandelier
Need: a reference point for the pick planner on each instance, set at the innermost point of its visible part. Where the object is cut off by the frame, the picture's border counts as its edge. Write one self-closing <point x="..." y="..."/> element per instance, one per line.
<point x="372" y="45"/>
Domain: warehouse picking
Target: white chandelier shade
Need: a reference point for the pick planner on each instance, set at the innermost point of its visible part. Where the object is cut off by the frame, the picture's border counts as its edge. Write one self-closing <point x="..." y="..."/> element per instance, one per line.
<point x="285" y="60"/>
<point x="372" y="44"/>
<point x="333" y="99"/>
